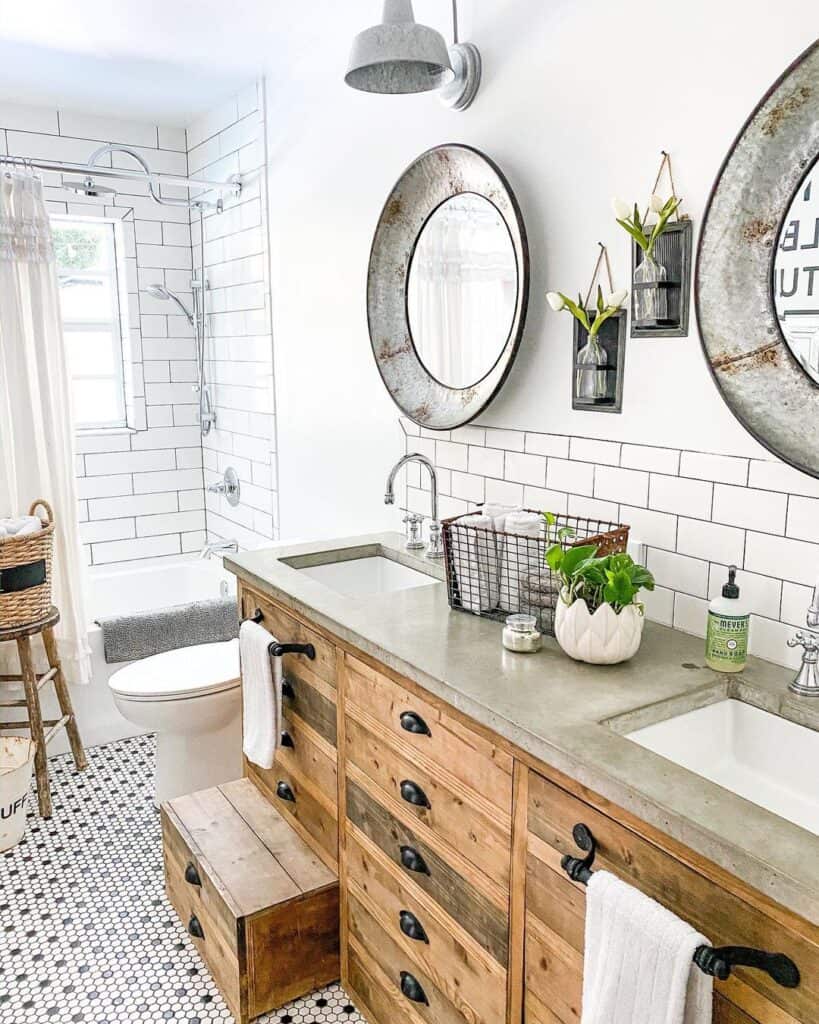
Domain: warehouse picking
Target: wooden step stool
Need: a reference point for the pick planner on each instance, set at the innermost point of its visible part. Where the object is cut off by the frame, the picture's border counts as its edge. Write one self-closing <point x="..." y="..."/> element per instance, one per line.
<point x="32" y="684"/>
<point x="261" y="908"/>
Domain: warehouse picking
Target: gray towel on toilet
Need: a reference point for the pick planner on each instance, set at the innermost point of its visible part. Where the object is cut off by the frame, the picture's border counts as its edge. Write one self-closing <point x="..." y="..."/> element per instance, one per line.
<point x="139" y="635"/>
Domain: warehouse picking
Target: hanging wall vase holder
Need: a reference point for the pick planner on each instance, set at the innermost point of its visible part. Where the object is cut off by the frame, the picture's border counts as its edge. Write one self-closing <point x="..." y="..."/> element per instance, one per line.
<point x="598" y="363"/>
<point x="661" y="283"/>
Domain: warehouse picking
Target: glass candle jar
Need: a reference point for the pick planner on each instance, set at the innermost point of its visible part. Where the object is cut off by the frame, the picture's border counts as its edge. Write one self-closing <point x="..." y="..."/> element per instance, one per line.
<point x="520" y="634"/>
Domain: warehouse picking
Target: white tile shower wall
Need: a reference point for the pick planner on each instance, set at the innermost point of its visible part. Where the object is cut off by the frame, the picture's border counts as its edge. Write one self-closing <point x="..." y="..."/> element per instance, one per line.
<point x="230" y="140"/>
<point x="141" y="492"/>
<point x="695" y="513"/>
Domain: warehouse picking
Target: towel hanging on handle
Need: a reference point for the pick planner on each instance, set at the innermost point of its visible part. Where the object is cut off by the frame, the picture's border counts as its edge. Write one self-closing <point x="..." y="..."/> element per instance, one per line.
<point x="262" y="679"/>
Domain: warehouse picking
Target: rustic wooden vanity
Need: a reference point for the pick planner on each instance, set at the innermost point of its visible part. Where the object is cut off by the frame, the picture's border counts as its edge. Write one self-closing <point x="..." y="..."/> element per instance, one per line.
<point x="447" y="842"/>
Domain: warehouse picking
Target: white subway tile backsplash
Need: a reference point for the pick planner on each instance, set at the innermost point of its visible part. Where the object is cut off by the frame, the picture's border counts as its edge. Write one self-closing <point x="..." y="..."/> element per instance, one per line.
<point x="658" y="529"/>
<point x="654" y="460"/>
<point x="626" y="485"/>
<point x="750" y="508"/>
<point x="171" y="522"/>
<point x="547" y="444"/>
<point x="525" y="469"/>
<point x="710" y="541"/>
<point x="131" y="550"/>
<point x="542" y="500"/>
<point x="486" y="461"/>
<point x="678" y="572"/>
<point x="690" y="614"/>
<point x="776" y="476"/>
<point x="659" y="605"/>
<point x="782" y="557"/>
<point x="467" y="486"/>
<point x="104" y="486"/>
<point x="796" y="599"/>
<point x="593" y="508"/>
<point x="129" y="462"/>
<point x="679" y="496"/>
<point x="803" y="518"/>
<point x="573" y="477"/>
<point x="503" y="491"/>
<point x="509" y="440"/>
<point x="132" y="505"/>
<point x="722" y="468"/>
<point x="769" y="640"/>
<point x="603" y="453"/>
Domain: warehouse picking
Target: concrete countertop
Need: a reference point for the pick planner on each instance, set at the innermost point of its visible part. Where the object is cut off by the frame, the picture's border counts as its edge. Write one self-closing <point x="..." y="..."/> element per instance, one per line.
<point x="564" y="713"/>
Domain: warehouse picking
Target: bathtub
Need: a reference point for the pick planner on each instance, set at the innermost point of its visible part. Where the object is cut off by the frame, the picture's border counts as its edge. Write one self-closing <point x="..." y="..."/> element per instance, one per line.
<point x="118" y="590"/>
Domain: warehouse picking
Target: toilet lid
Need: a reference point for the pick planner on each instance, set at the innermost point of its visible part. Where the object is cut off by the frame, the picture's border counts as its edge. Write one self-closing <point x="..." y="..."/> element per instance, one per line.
<point x="187" y="672"/>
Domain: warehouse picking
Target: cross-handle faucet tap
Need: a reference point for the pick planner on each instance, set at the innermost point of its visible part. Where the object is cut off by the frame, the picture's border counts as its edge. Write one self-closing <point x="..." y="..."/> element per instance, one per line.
<point x="806" y="683"/>
<point x="435" y="547"/>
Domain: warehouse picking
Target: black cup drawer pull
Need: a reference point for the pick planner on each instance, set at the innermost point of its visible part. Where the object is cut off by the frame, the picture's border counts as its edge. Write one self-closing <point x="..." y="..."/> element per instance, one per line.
<point x="195" y="928"/>
<point x="413" y="794"/>
<point x="412" y="927"/>
<point x="192" y="875"/>
<point x="287" y="690"/>
<point x="287" y="740"/>
<point x="411" y="988"/>
<point x="284" y="792"/>
<point x="412" y="722"/>
<point x="413" y="861"/>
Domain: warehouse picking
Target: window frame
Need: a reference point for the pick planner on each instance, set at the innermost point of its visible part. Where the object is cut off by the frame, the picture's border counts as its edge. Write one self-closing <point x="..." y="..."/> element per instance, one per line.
<point x="115" y="326"/>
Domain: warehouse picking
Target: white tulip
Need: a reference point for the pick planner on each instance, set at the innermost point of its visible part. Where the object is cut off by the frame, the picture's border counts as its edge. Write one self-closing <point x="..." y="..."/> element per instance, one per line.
<point x="656" y="203"/>
<point x="617" y="299"/>
<point x="621" y="210"/>
<point x="555" y="301"/>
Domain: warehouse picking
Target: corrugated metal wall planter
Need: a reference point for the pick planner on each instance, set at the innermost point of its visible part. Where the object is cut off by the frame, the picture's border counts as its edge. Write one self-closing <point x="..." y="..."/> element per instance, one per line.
<point x="661" y="295"/>
<point x="598" y="386"/>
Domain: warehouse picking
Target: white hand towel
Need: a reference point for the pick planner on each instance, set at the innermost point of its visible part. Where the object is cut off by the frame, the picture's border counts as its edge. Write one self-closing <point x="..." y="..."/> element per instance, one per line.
<point x="521" y="558"/>
<point x="638" y="960"/>
<point x="475" y="559"/>
<point x="261" y="695"/>
<point x="20" y="526"/>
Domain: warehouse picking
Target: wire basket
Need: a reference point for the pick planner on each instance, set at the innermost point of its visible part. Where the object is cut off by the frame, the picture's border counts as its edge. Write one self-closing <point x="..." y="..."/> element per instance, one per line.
<point x="495" y="573"/>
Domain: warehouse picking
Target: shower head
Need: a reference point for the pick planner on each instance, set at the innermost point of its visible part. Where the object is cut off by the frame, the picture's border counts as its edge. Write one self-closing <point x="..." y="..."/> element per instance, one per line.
<point x="159" y="291"/>
<point x="88" y="187"/>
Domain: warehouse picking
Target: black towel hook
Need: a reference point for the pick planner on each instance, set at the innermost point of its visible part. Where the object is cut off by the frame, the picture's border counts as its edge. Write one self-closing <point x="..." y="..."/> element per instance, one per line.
<point x="716" y="961"/>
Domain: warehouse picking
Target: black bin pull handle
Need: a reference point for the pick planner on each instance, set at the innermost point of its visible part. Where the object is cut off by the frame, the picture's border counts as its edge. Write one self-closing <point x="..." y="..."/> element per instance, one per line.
<point x="195" y="928"/>
<point x="411" y="988"/>
<point x="411" y="721"/>
<point x="277" y="650"/>
<point x="412" y="927"/>
<point x="412" y="793"/>
<point x="284" y="792"/>
<point x="192" y="875"/>
<point x="413" y="861"/>
<point x="287" y="740"/>
<point x="718" y="961"/>
<point x="287" y="689"/>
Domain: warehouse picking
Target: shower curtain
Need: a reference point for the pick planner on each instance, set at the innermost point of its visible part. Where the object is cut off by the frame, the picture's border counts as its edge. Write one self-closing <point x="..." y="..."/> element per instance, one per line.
<point x="36" y="434"/>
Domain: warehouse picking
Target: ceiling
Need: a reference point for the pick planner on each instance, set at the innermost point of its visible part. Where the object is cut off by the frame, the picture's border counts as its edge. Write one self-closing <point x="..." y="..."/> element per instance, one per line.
<point x="170" y="61"/>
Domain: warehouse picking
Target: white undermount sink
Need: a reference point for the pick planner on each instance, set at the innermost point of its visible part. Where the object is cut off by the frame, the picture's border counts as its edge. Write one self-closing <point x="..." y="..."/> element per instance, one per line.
<point x="367" y="577"/>
<point x="760" y="756"/>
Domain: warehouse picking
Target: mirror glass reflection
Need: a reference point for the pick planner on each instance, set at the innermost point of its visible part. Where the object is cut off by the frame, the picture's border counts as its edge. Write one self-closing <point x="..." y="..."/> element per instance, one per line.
<point x="796" y="275"/>
<point x="462" y="290"/>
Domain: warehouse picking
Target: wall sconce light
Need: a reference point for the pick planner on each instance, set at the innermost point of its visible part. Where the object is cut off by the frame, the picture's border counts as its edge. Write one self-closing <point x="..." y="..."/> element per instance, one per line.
<point x="401" y="56"/>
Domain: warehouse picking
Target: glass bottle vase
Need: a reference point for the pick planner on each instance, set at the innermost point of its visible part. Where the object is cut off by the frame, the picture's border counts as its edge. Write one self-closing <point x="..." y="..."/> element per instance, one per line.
<point x="590" y="384"/>
<point x="650" y="298"/>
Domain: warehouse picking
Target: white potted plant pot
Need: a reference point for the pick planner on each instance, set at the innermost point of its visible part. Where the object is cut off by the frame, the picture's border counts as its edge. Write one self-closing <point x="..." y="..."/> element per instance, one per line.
<point x="604" y="638"/>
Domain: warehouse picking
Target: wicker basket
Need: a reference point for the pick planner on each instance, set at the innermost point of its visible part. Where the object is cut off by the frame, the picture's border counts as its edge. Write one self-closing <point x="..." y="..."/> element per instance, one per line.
<point x="494" y="574"/>
<point x="18" y="607"/>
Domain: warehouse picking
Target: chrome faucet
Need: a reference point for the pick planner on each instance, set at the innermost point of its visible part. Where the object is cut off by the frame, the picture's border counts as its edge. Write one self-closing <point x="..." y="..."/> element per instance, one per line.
<point x="806" y="683"/>
<point x="435" y="547"/>
<point x="217" y="547"/>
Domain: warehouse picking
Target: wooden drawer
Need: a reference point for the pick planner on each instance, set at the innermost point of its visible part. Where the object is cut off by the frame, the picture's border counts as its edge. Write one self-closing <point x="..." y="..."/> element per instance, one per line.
<point x="286" y="628"/>
<point x="314" y="818"/>
<point x="461" y="970"/>
<point x="379" y="702"/>
<point x="311" y="699"/>
<point x="310" y="759"/>
<point x="473" y="826"/>
<point x="481" y="912"/>
<point x="556" y="911"/>
<point x="261" y="909"/>
<point x="390" y="965"/>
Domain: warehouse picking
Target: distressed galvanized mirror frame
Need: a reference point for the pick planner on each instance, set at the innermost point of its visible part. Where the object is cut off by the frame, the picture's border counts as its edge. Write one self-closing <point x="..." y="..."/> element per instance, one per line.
<point x="764" y="385"/>
<point x="432" y="179"/>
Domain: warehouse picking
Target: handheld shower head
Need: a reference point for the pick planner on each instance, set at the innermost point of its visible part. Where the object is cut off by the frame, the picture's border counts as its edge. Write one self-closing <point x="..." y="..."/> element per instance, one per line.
<point x="159" y="291"/>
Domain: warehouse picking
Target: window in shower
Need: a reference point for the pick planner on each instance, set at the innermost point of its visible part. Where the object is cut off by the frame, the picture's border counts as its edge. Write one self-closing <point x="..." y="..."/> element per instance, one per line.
<point x="90" y="265"/>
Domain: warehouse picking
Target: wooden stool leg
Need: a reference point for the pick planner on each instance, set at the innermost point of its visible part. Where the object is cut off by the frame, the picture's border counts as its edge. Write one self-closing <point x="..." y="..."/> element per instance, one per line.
<point x="64" y="698"/>
<point x="35" y="722"/>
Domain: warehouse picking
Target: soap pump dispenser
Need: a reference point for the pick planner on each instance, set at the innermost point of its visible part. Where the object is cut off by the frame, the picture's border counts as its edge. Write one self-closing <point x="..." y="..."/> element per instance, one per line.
<point x="726" y="643"/>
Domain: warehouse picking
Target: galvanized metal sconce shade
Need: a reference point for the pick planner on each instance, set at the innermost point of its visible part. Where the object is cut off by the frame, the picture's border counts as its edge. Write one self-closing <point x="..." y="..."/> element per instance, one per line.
<point x="400" y="56"/>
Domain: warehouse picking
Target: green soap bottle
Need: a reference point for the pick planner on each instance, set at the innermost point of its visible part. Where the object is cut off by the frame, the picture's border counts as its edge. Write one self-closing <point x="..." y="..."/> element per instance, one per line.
<point x="726" y="641"/>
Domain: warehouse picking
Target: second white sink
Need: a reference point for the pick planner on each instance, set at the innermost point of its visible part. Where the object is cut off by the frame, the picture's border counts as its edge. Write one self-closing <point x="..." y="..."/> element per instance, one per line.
<point x="755" y="754"/>
<point x="367" y="577"/>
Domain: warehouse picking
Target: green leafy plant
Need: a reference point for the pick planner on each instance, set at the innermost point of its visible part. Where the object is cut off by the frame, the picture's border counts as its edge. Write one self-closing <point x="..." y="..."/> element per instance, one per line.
<point x="605" y="308"/>
<point x="646" y="235"/>
<point x="612" y="579"/>
<point x="555" y="532"/>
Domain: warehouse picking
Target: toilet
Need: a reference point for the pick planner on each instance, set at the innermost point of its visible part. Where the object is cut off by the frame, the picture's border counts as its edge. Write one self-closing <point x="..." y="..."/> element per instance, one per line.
<point x="191" y="699"/>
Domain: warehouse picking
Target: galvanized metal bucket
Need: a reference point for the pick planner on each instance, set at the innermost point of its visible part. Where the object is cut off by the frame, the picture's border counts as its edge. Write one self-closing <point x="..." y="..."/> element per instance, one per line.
<point x="16" y="760"/>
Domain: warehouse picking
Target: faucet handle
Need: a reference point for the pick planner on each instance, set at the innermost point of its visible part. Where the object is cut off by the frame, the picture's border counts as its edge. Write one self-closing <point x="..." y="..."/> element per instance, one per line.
<point x="435" y="548"/>
<point x="809" y="641"/>
<point x="413" y="522"/>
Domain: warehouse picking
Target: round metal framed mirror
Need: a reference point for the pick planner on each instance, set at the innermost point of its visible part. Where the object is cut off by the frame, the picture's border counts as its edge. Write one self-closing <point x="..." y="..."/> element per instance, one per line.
<point x="757" y="286"/>
<point x="448" y="286"/>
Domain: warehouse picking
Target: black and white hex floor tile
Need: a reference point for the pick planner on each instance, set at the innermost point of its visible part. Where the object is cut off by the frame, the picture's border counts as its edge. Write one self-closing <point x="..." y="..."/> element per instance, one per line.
<point x="86" y="933"/>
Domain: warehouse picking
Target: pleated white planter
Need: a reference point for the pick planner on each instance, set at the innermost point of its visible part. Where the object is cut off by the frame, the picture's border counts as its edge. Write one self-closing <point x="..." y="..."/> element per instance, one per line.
<point x="605" y="638"/>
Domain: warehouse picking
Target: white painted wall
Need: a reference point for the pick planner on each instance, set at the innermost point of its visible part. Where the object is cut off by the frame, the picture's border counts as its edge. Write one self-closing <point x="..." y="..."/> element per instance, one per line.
<point x="573" y="115"/>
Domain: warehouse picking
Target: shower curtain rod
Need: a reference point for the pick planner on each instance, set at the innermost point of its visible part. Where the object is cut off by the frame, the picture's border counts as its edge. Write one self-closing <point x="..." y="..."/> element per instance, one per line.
<point x="233" y="184"/>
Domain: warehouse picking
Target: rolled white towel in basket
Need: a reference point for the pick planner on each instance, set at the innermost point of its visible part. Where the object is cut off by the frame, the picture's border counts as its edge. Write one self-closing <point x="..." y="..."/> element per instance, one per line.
<point x="19" y="526"/>
<point x="475" y="560"/>
<point x="521" y="557"/>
